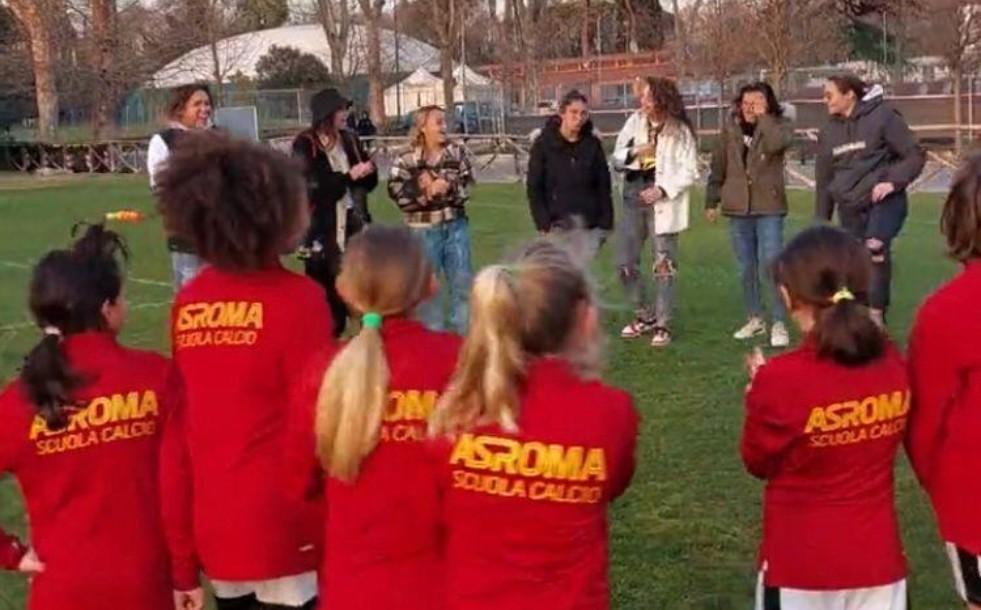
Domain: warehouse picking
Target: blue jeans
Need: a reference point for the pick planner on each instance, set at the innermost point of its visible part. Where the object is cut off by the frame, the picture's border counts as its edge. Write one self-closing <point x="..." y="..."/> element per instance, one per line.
<point x="448" y="248"/>
<point x="634" y="228"/>
<point x="757" y="241"/>
<point x="185" y="267"/>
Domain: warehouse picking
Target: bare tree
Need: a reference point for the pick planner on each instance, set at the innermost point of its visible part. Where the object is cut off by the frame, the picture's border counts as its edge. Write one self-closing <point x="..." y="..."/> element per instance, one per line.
<point x="34" y="17"/>
<point x="335" y="18"/>
<point x="718" y="42"/>
<point x="788" y="33"/>
<point x="104" y="46"/>
<point x="858" y="8"/>
<point x="527" y="19"/>
<point x="952" y="29"/>
<point x="586" y="20"/>
<point x="681" y="29"/>
<point x="444" y="20"/>
<point x="371" y="11"/>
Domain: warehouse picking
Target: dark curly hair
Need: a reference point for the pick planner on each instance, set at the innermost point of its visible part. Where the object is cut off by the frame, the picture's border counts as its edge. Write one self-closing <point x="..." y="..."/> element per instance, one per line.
<point x="240" y="205"/>
<point x="181" y="95"/>
<point x="668" y="99"/>
<point x="69" y="288"/>
<point x="773" y="107"/>
<point x="960" y="221"/>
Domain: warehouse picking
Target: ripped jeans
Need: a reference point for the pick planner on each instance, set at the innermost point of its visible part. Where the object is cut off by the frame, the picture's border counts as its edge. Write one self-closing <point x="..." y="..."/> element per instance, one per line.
<point x="877" y="226"/>
<point x="634" y="228"/>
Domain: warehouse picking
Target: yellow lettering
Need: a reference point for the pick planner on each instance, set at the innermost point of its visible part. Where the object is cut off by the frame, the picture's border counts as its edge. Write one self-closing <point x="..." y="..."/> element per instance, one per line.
<point x="595" y="466"/>
<point x="149" y="404"/>
<point x="38" y="427"/>
<point x="254" y="317"/>
<point x="230" y="314"/>
<point x="815" y="421"/>
<point x="564" y="463"/>
<point x="124" y="408"/>
<point x="507" y="459"/>
<point x="463" y="451"/>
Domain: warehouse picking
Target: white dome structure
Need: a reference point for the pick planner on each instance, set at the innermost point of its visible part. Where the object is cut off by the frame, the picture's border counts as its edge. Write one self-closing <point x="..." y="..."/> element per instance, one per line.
<point x="239" y="54"/>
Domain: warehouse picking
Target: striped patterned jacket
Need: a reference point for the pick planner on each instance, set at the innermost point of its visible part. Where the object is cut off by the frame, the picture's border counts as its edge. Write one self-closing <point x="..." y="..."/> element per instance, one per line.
<point x="418" y="209"/>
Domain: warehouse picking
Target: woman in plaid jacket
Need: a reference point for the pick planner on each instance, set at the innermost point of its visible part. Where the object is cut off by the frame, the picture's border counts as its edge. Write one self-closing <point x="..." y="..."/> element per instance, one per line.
<point x="430" y="183"/>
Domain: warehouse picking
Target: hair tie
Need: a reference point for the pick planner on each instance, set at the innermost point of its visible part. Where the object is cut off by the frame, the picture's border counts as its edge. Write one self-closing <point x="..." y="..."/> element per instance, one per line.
<point x="843" y="294"/>
<point x="53" y="331"/>
<point x="371" y="320"/>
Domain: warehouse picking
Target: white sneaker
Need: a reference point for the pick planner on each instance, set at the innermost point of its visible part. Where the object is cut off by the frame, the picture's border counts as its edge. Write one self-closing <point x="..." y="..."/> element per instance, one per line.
<point x="637" y="328"/>
<point x="754" y="328"/>
<point x="779" y="337"/>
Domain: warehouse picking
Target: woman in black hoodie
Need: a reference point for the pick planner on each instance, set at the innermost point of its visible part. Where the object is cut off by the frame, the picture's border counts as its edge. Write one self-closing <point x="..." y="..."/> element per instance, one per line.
<point x="867" y="157"/>
<point x="568" y="177"/>
<point x="336" y="164"/>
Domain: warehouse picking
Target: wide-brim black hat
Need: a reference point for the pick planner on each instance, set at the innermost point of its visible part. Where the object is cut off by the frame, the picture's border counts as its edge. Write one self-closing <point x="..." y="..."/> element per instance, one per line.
<point x="325" y="103"/>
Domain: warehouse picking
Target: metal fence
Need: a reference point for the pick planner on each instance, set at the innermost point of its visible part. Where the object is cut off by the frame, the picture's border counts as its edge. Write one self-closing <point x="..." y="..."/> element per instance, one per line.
<point x="496" y="158"/>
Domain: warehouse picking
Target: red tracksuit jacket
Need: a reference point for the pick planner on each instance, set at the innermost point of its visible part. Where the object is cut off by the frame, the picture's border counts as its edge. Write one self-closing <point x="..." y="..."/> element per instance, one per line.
<point x="825" y="437"/>
<point x="92" y="488"/>
<point x="383" y="541"/>
<point x="525" y="513"/>
<point x="944" y="441"/>
<point x="240" y="342"/>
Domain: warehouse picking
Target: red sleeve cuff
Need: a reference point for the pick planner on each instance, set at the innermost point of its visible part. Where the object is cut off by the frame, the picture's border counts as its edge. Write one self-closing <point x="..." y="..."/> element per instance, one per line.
<point x="185" y="576"/>
<point x="11" y="552"/>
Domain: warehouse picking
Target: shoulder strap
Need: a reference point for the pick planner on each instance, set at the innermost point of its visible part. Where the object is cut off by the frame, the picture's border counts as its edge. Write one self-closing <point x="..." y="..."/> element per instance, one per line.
<point x="170" y="136"/>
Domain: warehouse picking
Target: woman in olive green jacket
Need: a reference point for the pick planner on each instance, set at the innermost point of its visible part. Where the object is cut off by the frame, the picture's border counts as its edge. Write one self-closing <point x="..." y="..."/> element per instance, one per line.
<point x="747" y="180"/>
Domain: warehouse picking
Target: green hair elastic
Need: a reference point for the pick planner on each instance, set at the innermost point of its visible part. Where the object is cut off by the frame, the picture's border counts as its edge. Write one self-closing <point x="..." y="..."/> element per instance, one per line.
<point x="371" y="320"/>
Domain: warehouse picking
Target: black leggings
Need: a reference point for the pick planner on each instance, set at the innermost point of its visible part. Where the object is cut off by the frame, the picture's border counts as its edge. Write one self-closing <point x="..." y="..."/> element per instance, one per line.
<point x="324" y="270"/>
<point x="877" y="226"/>
<point x="249" y="602"/>
<point x="325" y="267"/>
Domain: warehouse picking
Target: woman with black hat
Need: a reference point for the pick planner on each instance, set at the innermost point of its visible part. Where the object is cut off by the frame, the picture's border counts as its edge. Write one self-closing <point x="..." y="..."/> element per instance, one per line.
<point x="337" y="165"/>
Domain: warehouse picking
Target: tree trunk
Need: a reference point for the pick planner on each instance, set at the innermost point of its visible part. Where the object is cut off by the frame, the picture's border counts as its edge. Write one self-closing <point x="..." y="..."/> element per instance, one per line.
<point x="958" y="74"/>
<point x="681" y="40"/>
<point x="335" y="19"/>
<point x="526" y="26"/>
<point x="449" y="82"/>
<point x="32" y="17"/>
<point x="216" y="73"/>
<point x="633" y="45"/>
<point x="103" y="33"/>
<point x="371" y="9"/>
<point x="584" y="30"/>
<point x="722" y="107"/>
<point x="214" y="36"/>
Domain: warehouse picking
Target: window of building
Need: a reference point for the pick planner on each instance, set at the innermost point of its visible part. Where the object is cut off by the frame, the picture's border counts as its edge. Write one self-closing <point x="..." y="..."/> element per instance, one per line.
<point x="616" y="95"/>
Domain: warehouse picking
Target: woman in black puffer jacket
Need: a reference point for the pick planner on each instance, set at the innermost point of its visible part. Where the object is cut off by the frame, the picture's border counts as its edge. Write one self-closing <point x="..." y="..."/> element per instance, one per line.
<point x="569" y="183"/>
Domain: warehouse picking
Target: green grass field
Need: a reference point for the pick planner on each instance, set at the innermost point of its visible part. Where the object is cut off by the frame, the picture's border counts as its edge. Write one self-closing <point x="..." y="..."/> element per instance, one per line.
<point x="685" y="535"/>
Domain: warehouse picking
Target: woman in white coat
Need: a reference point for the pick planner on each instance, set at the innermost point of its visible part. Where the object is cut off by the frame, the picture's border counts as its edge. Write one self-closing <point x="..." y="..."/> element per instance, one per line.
<point x="657" y="152"/>
<point x="189" y="109"/>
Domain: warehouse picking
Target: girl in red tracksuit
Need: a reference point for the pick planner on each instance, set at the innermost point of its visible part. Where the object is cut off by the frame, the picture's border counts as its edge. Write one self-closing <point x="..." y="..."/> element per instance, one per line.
<point x="533" y="448"/>
<point x="82" y="431"/>
<point x="944" y="441"/>
<point x="383" y="545"/>
<point x="823" y="425"/>
<point x="241" y="331"/>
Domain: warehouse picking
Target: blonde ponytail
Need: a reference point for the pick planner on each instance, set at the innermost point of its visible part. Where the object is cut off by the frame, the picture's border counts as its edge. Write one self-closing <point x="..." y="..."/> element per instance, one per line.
<point x="492" y="363"/>
<point x="350" y="407"/>
<point x="518" y="312"/>
<point x="385" y="273"/>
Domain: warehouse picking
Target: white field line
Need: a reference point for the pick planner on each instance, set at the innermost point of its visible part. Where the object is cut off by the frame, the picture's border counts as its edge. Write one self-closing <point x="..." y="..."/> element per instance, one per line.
<point x="136" y="280"/>
<point x="24" y="325"/>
